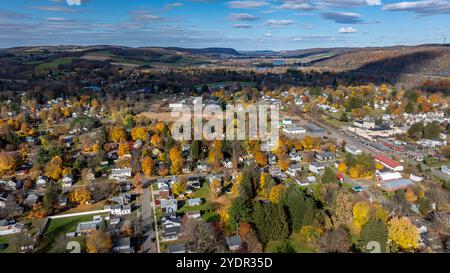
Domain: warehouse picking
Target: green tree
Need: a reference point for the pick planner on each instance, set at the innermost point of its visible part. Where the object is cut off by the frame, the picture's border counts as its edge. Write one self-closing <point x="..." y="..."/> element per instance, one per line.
<point x="270" y="221"/>
<point x="50" y="197"/>
<point x="432" y="130"/>
<point x="240" y="212"/>
<point x="195" y="150"/>
<point x="328" y="176"/>
<point x="416" y="130"/>
<point x="300" y="208"/>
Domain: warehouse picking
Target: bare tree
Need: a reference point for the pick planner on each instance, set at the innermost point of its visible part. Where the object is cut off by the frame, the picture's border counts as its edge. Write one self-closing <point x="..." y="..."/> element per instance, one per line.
<point x="201" y="237"/>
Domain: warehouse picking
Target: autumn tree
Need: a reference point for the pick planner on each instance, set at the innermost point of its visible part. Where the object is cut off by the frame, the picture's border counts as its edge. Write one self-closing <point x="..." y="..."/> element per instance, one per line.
<point x="139" y="133"/>
<point x="276" y="194"/>
<point x="342" y="167"/>
<point x="403" y="233"/>
<point x="343" y="214"/>
<point x="249" y="238"/>
<point x="176" y="159"/>
<point x="117" y="134"/>
<point x="216" y="187"/>
<point x="98" y="241"/>
<point x="215" y="155"/>
<point x="261" y="159"/>
<point x="178" y="188"/>
<point x="410" y="196"/>
<point x="54" y="168"/>
<point x="284" y="162"/>
<point x="148" y="165"/>
<point x="8" y="162"/>
<point x="80" y="195"/>
<point x="124" y="149"/>
<point x="361" y="213"/>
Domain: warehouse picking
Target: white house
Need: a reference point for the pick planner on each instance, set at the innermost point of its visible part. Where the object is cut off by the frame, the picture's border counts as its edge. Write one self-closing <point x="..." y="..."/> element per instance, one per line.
<point x="42" y="180"/>
<point x="352" y="149"/>
<point x="67" y="181"/>
<point x="445" y="169"/>
<point x="316" y="167"/>
<point x="294" y="130"/>
<point x="293" y="169"/>
<point x="120" y="174"/>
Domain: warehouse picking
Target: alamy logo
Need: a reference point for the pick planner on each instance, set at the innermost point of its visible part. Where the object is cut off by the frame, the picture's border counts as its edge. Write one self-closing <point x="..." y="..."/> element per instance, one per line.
<point x="74" y="2"/>
<point x="238" y="122"/>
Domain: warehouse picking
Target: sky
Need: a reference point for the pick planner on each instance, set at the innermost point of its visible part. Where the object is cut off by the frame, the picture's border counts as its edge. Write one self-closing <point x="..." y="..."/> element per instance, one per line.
<point x="240" y="24"/>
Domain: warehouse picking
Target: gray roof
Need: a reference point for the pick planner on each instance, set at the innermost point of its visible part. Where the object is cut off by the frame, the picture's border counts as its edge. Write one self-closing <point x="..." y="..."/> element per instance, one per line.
<point x="176" y="248"/>
<point x="396" y="184"/>
<point x="233" y="241"/>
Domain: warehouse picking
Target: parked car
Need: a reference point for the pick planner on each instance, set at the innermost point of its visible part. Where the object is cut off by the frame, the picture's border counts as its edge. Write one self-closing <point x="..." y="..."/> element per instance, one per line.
<point x="357" y="188"/>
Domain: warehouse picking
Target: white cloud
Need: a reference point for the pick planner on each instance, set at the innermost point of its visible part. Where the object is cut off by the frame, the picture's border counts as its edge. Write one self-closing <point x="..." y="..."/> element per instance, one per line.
<point x="243" y="17"/>
<point x="347" y="30"/>
<point x="173" y="5"/>
<point x="247" y="4"/>
<point x="273" y="22"/>
<point x="425" y="7"/>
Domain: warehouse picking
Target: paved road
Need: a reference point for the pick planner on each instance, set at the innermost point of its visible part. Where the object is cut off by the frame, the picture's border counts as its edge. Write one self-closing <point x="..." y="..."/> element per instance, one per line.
<point x="145" y="212"/>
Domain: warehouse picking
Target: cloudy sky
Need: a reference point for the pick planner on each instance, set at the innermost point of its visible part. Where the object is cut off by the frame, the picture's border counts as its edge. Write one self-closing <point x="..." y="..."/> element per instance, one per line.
<point x="243" y="24"/>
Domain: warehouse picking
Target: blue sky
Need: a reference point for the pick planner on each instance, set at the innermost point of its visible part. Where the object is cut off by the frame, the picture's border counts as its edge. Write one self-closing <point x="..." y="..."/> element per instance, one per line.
<point x="243" y="25"/>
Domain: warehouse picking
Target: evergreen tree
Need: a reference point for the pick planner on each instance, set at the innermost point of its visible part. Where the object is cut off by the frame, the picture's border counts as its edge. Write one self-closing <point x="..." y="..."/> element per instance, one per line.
<point x="270" y="221"/>
<point x="50" y="197"/>
<point x="240" y="212"/>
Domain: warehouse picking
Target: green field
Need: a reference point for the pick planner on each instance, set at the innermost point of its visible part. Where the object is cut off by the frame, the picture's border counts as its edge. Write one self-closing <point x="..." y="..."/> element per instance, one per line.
<point x="45" y="67"/>
<point x="58" y="227"/>
<point x="6" y="240"/>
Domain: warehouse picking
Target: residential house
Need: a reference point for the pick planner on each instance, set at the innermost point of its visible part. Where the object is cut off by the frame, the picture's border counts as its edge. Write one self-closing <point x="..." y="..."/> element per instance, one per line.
<point x="31" y="199"/>
<point x="122" y="245"/>
<point x="294" y="156"/>
<point x="170" y="233"/>
<point x="317" y="167"/>
<point x="194" y="214"/>
<point x="84" y="228"/>
<point x="293" y="169"/>
<point x="203" y="167"/>
<point x="3" y="197"/>
<point x="67" y="181"/>
<point x="194" y="202"/>
<point x="445" y="169"/>
<point x="122" y="174"/>
<point x="322" y="156"/>
<point x="227" y="164"/>
<point x="234" y="243"/>
<point x="169" y="205"/>
<point x="42" y="180"/>
<point x="176" y="248"/>
<point x="119" y="210"/>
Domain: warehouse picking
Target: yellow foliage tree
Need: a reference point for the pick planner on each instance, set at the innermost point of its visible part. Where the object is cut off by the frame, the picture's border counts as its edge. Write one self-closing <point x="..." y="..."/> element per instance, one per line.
<point x="80" y="196"/>
<point x="8" y="162"/>
<point x="342" y="167"/>
<point x="402" y="232"/>
<point x="284" y="162"/>
<point x="276" y="194"/>
<point x="361" y="213"/>
<point x="261" y="159"/>
<point x="54" y="168"/>
<point x="156" y="140"/>
<point x="117" y="134"/>
<point x="216" y="187"/>
<point x="410" y="196"/>
<point x="139" y="133"/>
<point x="308" y="143"/>
<point x="178" y="188"/>
<point x="176" y="158"/>
<point x="98" y="241"/>
<point x="124" y="149"/>
<point x="148" y="165"/>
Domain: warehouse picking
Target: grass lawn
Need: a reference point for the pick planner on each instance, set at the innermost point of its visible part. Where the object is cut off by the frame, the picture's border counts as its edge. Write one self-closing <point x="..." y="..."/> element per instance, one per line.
<point x="294" y="240"/>
<point x="84" y="208"/>
<point x="58" y="227"/>
<point x="203" y="192"/>
<point x="6" y="240"/>
<point x="45" y="67"/>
